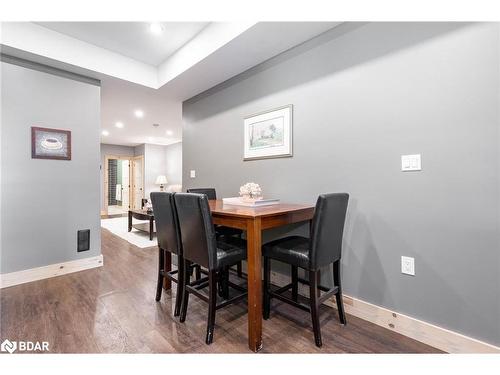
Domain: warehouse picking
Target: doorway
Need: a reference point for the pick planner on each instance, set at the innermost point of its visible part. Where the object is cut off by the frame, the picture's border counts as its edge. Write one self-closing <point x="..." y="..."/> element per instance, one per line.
<point x="137" y="182"/>
<point x="123" y="184"/>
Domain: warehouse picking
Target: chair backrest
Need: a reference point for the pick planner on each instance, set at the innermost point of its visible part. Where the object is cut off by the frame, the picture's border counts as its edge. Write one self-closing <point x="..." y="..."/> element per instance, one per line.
<point x="209" y="192"/>
<point x="328" y="228"/>
<point x="167" y="224"/>
<point x="199" y="243"/>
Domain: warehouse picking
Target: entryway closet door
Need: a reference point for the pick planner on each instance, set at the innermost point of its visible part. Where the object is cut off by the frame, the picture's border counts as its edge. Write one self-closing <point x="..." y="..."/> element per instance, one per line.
<point x="138" y="181"/>
<point x="125" y="184"/>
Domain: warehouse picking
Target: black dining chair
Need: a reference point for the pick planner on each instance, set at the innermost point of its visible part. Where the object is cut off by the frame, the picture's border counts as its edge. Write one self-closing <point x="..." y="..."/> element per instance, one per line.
<point x="201" y="246"/>
<point x="220" y="230"/>
<point x="167" y="233"/>
<point x="324" y="247"/>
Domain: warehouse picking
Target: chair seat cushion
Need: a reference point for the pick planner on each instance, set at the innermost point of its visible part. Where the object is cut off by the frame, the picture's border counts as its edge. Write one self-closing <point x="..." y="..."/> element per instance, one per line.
<point x="221" y="230"/>
<point x="292" y="250"/>
<point x="230" y="250"/>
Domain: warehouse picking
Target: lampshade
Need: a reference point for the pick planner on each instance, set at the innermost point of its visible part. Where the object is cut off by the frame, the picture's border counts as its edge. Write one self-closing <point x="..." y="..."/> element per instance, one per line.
<point x="161" y="180"/>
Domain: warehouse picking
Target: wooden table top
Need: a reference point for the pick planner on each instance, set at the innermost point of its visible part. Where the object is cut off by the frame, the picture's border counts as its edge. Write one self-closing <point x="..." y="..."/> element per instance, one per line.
<point x="217" y="207"/>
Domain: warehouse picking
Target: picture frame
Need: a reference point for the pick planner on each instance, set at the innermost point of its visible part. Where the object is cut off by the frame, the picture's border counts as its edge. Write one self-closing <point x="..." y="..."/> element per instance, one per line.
<point x="269" y="134"/>
<point x="49" y="143"/>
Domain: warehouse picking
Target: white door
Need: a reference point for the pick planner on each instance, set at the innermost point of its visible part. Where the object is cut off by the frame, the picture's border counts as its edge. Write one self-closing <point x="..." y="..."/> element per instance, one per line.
<point x="138" y="181"/>
<point x="125" y="184"/>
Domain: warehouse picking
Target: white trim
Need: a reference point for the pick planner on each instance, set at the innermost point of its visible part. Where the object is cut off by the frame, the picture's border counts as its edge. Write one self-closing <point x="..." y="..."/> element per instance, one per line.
<point x="52" y="270"/>
<point x="41" y="41"/>
<point x="212" y="38"/>
<point x="430" y="334"/>
<point x="105" y="179"/>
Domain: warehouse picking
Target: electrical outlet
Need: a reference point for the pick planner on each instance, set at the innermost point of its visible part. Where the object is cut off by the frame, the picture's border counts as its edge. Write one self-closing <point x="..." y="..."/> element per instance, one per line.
<point x="192" y="173"/>
<point x="83" y="240"/>
<point x="408" y="265"/>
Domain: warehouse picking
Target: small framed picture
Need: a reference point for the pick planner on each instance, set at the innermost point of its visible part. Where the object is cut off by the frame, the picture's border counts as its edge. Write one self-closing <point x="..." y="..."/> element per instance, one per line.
<point x="268" y="134"/>
<point x="50" y="143"/>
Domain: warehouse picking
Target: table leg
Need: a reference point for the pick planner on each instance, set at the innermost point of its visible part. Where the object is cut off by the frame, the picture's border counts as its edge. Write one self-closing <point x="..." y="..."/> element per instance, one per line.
<point x="151" y="229"/>
<point x="167" y="267"/>
<point x="129" y="221"/>
<point x="254" y="255"/>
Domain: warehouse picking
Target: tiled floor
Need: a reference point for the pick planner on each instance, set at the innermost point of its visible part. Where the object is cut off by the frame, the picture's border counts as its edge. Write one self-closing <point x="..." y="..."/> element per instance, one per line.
<point x="116" y="210"/>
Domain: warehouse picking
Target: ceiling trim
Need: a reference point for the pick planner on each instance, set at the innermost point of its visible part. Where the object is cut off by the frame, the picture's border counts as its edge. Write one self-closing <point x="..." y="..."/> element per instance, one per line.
<point x="213" y="37"/>
<point x="48" y="69"/>
<point x="41" y="41"/>
<point x="220" y="51"/>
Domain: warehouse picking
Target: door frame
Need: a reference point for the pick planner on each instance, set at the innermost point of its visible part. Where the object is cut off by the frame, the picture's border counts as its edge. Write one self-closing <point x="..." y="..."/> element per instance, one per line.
<point x="132" y="189"/>
<point x="105" y="177"/>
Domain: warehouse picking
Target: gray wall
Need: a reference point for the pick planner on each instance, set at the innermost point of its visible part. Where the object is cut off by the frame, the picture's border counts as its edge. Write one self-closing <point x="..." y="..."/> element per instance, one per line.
<point x="116" y="150"/>
<point x="174" y="163"/>
<point x="45" y="202"/>
<point x="139" y="150"/>
<point x="363" y="95"/>
<point x="155" y="164"/>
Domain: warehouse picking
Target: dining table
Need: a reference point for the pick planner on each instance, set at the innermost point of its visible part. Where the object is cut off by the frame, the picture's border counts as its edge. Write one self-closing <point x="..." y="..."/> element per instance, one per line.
<point x="254" y="220"/>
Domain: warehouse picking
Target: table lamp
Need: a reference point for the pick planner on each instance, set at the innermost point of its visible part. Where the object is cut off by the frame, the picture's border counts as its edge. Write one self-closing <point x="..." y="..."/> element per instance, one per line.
<point x="162" y="181"/>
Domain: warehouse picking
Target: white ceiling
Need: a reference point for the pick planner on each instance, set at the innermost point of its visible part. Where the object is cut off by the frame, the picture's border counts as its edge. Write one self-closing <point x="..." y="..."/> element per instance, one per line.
<point x="154" y="73"/>
<point x="119" y="100"/>
<point x="132" y="39"/>
<point x="248" y="49"/>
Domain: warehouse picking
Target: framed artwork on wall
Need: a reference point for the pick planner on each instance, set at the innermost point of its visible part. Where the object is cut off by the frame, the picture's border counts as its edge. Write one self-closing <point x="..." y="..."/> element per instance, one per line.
<point x="50" y="143"/>
<point x="268" y="134"/>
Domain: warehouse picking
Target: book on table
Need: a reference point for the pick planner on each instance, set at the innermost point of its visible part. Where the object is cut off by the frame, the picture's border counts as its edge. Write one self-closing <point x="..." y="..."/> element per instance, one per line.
<point x="237" y="201"/>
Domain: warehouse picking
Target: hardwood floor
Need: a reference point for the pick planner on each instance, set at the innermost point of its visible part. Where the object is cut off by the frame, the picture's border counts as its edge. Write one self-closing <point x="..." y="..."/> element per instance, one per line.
<point x="112" y="310"/>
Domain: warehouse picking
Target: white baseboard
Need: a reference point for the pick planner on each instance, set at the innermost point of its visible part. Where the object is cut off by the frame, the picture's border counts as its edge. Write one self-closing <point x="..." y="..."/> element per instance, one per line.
<point x="52" y="270"/>
<point x="430" y="334"/>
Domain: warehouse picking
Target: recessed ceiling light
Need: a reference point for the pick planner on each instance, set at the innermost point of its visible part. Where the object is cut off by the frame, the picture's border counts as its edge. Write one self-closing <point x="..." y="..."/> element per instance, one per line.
<point x="119" y="124"/>
<point x="170" y="132"/>
<point x="139" y="113"/>
<point x="156" y="28"/>
<point x="105" y="133"/>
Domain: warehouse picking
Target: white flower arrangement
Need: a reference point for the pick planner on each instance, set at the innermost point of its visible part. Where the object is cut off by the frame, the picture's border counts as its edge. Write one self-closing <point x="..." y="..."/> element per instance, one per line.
<point x="251" y="191"/>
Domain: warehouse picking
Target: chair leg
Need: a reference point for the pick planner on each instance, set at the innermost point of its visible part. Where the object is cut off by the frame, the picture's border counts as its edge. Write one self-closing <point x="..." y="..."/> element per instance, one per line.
<point x="223" y="283"/>
<point x="159" y="284"/>
<point x="198" y="272"/>
<point x="239" y="266"/>
<point x="239" y="269"/>
<point x="295" y="283"/>
<point x="212" y="301"/>
<point x="318" y="278"/>
<point x="267" y="281"/>
<point x="338" y="296"/>
<point x="219" y="283"/>
<point x="313" y="299"/>
<point x="180" y="285"/>
<point x="185" y="293"/>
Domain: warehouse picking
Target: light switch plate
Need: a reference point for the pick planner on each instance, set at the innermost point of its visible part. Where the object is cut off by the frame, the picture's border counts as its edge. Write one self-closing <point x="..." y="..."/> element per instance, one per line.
<point x="408" y="265"/>
<point x="192" y="173"/>
<point x="411" y="163"/>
